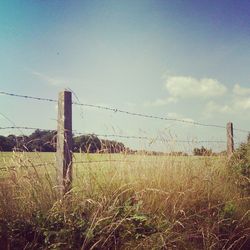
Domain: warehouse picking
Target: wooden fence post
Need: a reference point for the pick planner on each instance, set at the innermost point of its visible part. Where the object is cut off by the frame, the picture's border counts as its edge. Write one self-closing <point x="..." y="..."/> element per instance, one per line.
<point x="230" y="140"/>
<point x="64" y="142"/>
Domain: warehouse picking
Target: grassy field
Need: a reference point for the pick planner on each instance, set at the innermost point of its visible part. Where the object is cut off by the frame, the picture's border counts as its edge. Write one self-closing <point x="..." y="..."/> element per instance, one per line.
<point x="122" y="202"/>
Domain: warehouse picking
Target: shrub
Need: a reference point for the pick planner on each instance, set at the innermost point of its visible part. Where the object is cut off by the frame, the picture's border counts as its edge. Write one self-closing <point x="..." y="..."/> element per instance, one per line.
<point x="202" y="151"/>
<point x="240" y="165"/>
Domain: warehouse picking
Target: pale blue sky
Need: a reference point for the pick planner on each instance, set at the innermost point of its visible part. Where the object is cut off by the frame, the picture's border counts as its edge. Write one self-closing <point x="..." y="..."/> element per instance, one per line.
<point x="181" y="59"/>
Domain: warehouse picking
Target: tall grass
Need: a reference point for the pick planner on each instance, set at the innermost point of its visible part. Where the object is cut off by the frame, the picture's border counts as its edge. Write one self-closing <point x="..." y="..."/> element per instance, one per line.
<point x="125" y="202"/>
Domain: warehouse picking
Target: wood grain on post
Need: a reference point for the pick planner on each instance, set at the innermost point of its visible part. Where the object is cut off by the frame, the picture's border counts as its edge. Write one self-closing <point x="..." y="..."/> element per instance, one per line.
<point x="64" y="141"/>
<point x="230" y="140"/>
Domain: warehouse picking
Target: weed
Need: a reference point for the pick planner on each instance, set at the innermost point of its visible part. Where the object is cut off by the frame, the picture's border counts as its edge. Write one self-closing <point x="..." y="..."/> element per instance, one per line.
<point x="155" y="203"/>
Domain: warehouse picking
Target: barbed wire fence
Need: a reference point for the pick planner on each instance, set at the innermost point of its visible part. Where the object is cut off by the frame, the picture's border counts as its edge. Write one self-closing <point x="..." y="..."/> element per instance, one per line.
<point x="75" y="132"/>
<point x="116" y="110"/>
<point x="124" y="112"/>
<point x="65" y="132"/>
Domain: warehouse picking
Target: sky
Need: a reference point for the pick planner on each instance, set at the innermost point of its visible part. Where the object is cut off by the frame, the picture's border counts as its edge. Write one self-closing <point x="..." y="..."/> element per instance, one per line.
<point x="176" y="59"/>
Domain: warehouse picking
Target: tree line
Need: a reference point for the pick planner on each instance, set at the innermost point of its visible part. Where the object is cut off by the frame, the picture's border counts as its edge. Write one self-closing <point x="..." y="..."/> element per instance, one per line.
<point x="45" y="141"/>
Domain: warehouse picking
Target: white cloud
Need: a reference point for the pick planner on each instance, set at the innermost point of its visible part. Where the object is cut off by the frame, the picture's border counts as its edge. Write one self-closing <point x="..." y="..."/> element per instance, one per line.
<point x="213" y="107"/>
<point x="242" y="103"/>
<point x="51" y="80"/>
<point x="235" y="106"/>
<point x="130" y="104"/>
<point x="179" y="117"/>
<point x="160" y="102"/>
<point x="238" y="90"/>
<point x="188" y="87"/>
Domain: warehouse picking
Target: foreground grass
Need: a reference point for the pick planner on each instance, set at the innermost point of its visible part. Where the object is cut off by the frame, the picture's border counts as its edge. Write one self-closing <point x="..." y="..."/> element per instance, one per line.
<point x="122" y="202"/>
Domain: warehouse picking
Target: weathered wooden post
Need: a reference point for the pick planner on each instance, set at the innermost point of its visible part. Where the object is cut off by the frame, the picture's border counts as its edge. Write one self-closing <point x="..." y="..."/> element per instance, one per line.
<point x="230" y="140"/>
<point x="64" y="142"/>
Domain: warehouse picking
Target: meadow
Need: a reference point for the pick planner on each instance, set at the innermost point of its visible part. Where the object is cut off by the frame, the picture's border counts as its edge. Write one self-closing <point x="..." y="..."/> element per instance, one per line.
<point x="121" y="201"/>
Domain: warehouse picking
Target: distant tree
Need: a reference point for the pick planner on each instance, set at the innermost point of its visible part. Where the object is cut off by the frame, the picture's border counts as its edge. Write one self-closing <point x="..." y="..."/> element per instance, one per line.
<point x="42" y="141"/>
<point x="178" y="153"/>
<point x="248" y="138"/>
<point x="196" y="151"/>
<point x="86" y="143"/>
<point x="5" y="144"/>
<point x="202" y="151"/>
<point x="45" y="141"/>
<point x="112" y="146"/>
<point x="21" y="143"/>
<point x="92" y="144"/>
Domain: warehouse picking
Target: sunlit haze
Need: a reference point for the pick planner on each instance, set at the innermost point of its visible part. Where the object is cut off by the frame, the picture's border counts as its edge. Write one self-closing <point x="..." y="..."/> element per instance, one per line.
<point x="175" y="59"/>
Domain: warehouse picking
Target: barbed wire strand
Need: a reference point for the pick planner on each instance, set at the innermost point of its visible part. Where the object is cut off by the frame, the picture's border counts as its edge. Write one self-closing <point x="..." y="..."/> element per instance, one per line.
<point x="73" y="162"/>
<point x="150" y="139"/>
<point x="126" y="136"/>
<point x="153" y="139"/>
<point x="175" y="160"/>
<point x="25" y="128"/>
<point x="28" y="97"/>
<point x="124" y="112"/>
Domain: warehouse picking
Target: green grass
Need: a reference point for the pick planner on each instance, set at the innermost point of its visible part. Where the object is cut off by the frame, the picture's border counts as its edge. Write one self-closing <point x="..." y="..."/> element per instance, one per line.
<point x="122" y="202"/>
